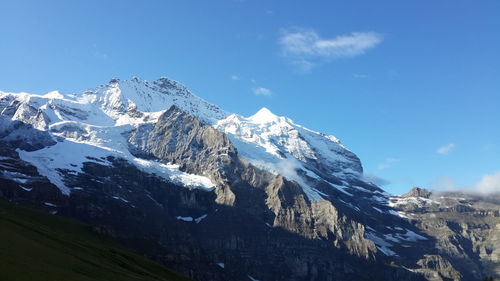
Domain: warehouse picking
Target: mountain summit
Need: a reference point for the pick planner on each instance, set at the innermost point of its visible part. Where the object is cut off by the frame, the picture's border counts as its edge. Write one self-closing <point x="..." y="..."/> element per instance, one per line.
<point x="263" y="116"/>
<point x="213" y="194"/>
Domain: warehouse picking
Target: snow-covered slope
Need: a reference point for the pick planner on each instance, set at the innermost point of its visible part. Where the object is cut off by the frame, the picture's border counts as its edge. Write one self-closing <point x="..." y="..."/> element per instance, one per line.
<point x="92" y="124"/>
<point x="137" y="96"/>
<point x="278" y="144"/>
<point x="271" y="138"/>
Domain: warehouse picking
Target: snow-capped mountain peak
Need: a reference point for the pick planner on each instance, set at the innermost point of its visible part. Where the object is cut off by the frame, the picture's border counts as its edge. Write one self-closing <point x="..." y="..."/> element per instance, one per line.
<point x="263" y="116"/>
<point x="100" y="117"/>
<point x="278" y="144"/>
<point x="137" y="95"/>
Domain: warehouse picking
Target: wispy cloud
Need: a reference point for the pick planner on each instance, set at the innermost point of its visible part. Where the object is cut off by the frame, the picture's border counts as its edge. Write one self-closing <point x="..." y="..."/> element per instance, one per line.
<point x="360" y="76"/>
<point x="444" y="183"/>
<point x="307" y="45"/>
<point x="261" y="91"/>
<point x="376" y="179"/>
<point x="445" y="149"/>
<point x="303" y="65"/>
<point x="257" y="90"/>
<point x="387" y="163"/>
<point x="488" y="183"/>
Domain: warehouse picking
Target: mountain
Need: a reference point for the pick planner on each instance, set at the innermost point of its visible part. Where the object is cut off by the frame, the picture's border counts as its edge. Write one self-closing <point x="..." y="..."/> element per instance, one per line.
<point x="39" y="246"/>
<point x="222" y="196"/>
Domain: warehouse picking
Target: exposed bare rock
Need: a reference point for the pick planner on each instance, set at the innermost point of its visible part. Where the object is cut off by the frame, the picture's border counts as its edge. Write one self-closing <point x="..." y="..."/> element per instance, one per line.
<point x="417" y="192"/>
<point x="465" y="227"/>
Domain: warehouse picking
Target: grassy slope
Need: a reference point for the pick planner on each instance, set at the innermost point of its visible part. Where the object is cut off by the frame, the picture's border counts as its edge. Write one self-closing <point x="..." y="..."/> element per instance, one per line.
<point x="37" y="246"/>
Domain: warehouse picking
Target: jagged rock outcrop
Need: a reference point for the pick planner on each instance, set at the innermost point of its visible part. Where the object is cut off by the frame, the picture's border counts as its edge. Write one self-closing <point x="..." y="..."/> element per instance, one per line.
<point x="436" y="268"/>
<point x="198" y="148"/>
<point x="417" y="192"/>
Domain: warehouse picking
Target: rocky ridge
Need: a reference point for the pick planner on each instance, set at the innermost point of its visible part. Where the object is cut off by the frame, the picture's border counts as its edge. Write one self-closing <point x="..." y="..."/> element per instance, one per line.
<point x="466" y="230"/>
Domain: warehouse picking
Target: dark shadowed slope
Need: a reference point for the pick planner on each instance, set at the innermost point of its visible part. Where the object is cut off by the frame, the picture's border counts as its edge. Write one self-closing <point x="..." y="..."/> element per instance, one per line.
<point x="37" y="246"/>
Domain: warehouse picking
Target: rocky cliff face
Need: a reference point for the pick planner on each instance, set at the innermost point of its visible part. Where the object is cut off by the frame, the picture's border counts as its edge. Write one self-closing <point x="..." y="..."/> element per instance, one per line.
<point x="218" y="196"/>
<point x="465" y="228"/>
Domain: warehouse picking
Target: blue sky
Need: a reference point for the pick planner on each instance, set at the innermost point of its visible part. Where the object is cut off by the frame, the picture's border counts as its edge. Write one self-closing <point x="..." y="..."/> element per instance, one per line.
<point x="412" y="87"/>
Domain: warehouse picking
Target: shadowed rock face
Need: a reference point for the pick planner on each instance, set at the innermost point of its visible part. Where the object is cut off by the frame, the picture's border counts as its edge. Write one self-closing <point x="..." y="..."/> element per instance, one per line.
<point x="182" y="139"/>
<point x="200" y="149"/>
<point x="23" y="136"/>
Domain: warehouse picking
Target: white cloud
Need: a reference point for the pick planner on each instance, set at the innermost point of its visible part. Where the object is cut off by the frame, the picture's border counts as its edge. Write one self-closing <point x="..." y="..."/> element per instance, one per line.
<point x="444" y="183"/>
<point x="261" y="91"/>
<point x="235" y="77"/>
<point x="486" y="185"/>
<point x="445" y="149"/>
<point x="303" y="65"/>
<point x="376" y="179"/>
<point x="387" y="163"/>
<point x="489" y="183"/>
<point x="306" y="45"/>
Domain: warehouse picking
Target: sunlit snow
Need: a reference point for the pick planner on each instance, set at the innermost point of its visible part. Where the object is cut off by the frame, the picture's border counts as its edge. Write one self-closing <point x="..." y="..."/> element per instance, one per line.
<point x="91" y="126"/>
